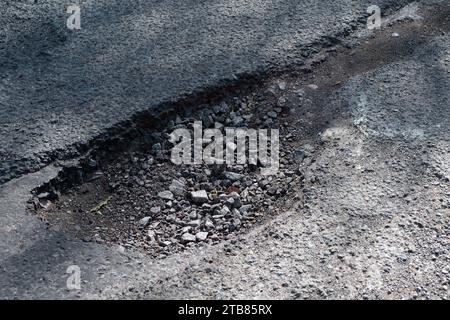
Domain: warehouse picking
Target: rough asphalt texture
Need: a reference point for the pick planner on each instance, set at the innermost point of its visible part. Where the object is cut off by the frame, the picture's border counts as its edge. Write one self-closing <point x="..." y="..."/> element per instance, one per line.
<point x="374" y="224"/>
<point x="61" y="88"/>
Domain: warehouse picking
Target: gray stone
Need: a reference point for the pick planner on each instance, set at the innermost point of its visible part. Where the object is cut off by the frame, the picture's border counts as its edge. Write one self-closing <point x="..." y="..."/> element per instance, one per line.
<point x="155" y="210"/>
<point x="272" y="191"/>
<point x="230" y="202"/>
<point x="201" y="236"/>
<point x="144" y="222"/>
<point x="263" y="183"/>
<point x="236" y="222"/>
<point x="186" y="229"/>
<point x="272" y="114"/>
<point x="282" y="85"/>
<point x="151" y="235"/>
<point x="165" y="243"/>
<point x="194" y="223"/>
<point x="193" y="215"/>
<point x="43" y="195"/>
<point x="237" y="121"/>
<point x="224" y="211"/>
<point x="199" y="196"/>
<point x="166" y="195"/>
<point x="206" y="186"/>
<point x="156" y="147"/>
<point x="237" y="203"/>
<point x="187" y="237"/>
<point x="299" y="154"/>
<point x="177" y="187"/>
<point x="233" y="176"/>
<point x="236" y="214"/>
<point x="209" y="224"/>
<point x="281" y="102"/>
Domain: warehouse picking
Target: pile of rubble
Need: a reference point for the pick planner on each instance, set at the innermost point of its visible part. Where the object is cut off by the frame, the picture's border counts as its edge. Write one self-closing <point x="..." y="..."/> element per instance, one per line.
<point x="161" y="207"/>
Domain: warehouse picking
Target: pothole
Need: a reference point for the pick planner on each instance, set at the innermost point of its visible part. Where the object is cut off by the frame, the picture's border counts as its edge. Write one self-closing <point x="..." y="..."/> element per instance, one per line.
<point x="127" y="191"/>
<point x="140" y="199"/>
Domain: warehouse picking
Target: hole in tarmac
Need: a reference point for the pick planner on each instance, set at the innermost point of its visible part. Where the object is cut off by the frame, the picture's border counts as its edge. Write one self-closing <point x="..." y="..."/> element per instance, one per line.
<point x="139" y="198"/>
<point x="127" y="190"/>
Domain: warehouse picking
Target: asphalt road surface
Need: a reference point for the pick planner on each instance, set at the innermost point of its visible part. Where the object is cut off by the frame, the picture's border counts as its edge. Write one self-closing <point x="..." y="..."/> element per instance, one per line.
<point x="59" y="88"/>
<point x="375" y="221"/>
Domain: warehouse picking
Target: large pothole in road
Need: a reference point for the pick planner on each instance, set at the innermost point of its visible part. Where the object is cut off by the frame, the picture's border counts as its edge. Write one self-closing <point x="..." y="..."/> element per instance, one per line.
<point x="128" y="191"/>
<point x="140" y="198"/>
